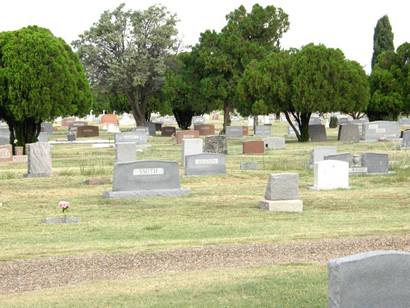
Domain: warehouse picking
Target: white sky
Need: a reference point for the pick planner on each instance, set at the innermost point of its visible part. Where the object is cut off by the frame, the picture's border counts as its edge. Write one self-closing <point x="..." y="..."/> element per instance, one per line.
<point x="345" y="24"/>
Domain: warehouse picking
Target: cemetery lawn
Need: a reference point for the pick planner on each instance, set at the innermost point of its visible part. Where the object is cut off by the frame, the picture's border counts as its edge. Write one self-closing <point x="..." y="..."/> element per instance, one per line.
<point x="220" y="211"/>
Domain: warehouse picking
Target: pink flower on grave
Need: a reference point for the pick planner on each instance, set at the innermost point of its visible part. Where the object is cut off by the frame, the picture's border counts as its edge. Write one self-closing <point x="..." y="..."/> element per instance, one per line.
<point x="64" y="205"/>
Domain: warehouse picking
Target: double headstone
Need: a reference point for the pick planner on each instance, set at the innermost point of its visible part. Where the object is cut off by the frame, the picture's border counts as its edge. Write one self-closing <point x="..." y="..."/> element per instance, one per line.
<point x="133" y="136"/>
<point x="234" y="131"/>
<point x="331" y="174"/>
<point x="282" y="193"/>
<point x="181" y="134"/>
<point x="376" y="162"/>
<point x="376" y="279"/>
<point x="168" y="131"/>
<point x="148" y="178"/>
<point x="205" y="129"/>
<point x="349" y="133"/>
<point x="39" y="159"/>
<point x="216" y="144"/>
<point x="253" y="147"/>
<point x="317" y="133"/>
<point x="205" y="164"/>
<point x="87" y="131"/>
<point x="263" y="130"/>
<point x="380" y="130"/>
<point x="191" y="146"/>
<point x="274" y="143"/>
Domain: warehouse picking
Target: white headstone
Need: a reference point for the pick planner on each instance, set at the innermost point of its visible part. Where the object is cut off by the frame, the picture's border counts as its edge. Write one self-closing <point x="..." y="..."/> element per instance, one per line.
<point x="331" y="174"/>
<point x="191" y="146"/>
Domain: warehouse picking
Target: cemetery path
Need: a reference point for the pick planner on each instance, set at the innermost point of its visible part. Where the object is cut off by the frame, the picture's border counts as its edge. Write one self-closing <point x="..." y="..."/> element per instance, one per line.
<point x="37" y="274"/>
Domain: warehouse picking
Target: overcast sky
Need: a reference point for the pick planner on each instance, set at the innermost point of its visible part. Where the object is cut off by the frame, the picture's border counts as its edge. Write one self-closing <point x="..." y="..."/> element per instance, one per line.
<point x="345" y="24"/>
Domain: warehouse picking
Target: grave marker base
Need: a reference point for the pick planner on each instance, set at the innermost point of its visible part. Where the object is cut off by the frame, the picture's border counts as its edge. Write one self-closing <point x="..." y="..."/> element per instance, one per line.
<point x="146" y="193"/>
<point x="282" y="205"/>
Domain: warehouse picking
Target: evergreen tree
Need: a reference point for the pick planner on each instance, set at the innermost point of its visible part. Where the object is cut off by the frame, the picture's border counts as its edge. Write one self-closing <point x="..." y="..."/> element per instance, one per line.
<point x="382" y="38"/>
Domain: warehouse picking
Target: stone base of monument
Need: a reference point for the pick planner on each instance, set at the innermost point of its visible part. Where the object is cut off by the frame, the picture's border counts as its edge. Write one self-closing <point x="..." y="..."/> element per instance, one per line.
<point x="37" y="175"/>
<point x="61" y="220"/>
<point x="282" y="205"/>
<point x="146" y="193"/>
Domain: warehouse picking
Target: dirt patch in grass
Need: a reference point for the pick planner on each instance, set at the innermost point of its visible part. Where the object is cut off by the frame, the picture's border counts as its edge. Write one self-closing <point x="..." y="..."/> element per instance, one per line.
<point x="29" y="275"/>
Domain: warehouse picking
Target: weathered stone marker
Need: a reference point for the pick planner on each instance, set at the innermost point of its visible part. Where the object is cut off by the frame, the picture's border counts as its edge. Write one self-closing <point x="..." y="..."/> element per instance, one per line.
<point x="6" y="152"/>
<point x="145" y="178"/>
<point x="274" y="143"/>
<point x="205" y="164"/>
<point x="39" y="159"/>
<point x="380" y="130"/>
<point x="216" y="144"/>
<point x="168" y="131"/>
<point x="263" y="130"/>
<point x="376" y="162"/>
<point x="376" y="279"/>
<point x="87" y="131"/>
<point x="234" y="131"/>
<point x="317" y="133"/>
<point x="205" y="129"/>
<point x="181" y="134"/>
<point x="349" y="133"/>
<point x="282" y="193"/>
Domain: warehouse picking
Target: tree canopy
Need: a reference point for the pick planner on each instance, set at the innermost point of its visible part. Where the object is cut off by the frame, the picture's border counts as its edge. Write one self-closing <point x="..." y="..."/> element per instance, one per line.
<point x="383" y="38"/>
<point x="40" y="79"/>
<point x="298" y="83"/>
<point x="390" y="85"/>
<point x="225" y="54"/>
<point x="125" y="54"/>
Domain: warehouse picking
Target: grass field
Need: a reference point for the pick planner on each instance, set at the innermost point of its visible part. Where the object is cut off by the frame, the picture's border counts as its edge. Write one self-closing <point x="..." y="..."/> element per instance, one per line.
<point x="220" y="210"/>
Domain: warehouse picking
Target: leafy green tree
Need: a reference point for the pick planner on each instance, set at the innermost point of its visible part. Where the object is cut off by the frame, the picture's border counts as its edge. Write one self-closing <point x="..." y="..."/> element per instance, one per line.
<point x="298" y="83"/>
<point x="390" y="85"/>
<point x="182" y="89"/>
<point x="40" y="79"/>
<point x="224" y="55"/>
<point x="125" y="53"/>
<point x="382" y="39"/>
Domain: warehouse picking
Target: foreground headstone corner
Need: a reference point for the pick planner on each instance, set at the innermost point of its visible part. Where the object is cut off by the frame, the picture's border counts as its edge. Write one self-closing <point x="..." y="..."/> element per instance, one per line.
<point x="282" y="193"/>
<point x="372" y="279"/>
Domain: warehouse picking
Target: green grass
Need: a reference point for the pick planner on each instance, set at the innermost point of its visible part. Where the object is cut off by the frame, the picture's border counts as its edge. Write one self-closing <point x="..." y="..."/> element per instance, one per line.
<point x="220" y="210"/>
<point x="276" y="286"/>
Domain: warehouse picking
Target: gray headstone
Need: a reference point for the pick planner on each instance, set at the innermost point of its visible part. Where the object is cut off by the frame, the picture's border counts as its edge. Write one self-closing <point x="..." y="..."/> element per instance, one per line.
<point x="145" y="178"/>
<point x="138" y="137"/>
<point x="404" y="121"/>
<point x="317" y="133"/>
<point x="205" y="164"/>
<point x="379" y="130"/>
<point x="216" y="144"/>
<point x="315" y="121"/>
<point x="43" y="137"/>
<point x="191" y="146"/>
<point x="282" y="186"/>
<point x="377" y="279"/>
<point x="152" y="129"/>
<point x="4" y="135"/>
<point x="125" y="151"/>
<point x="349" y="133"/>
<point x="234" y="131"/>
<point x="249" y="165"/>
<point x="346" y="157"/>
<point x="47" y="128"/>
<point x="376" y="162"/>
<point x="406" y="139"/>
<point x="263" y="130"/>
<point x="71" y="137"/>
<point x="274" y="143"/>
<point x="319" y="153"/>
<point x="61" y="220"/>
<point x="4" y="140"/>
<point x="39" y="159"/>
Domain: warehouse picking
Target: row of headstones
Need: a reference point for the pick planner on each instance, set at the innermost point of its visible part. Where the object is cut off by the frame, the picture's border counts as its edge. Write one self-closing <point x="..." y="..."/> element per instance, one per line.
<point x="356" y="131"/>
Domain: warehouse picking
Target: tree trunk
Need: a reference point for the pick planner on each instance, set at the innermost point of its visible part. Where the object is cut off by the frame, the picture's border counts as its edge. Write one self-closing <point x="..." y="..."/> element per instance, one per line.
<point x="183" y="118"/>
<point x="227" y="117"/>
<point x="302" y="121"/>
<point x="24" y="132"/>
<point x="138" y="110"/>
<point x="255" y="123"/>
